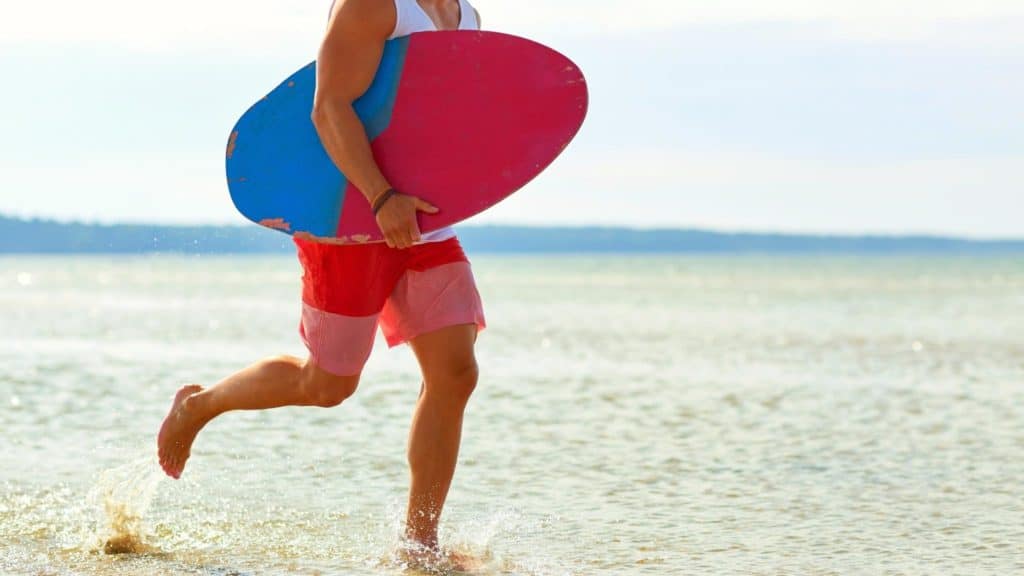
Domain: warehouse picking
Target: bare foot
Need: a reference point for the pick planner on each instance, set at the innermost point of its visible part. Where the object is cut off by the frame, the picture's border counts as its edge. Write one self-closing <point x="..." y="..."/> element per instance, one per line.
<point x="464" y="563"/>
<point x="435" y="561"/>
<point x="174" y="442"/>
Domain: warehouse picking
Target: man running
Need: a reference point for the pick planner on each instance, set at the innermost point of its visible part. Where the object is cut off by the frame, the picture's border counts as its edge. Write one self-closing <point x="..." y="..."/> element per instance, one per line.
<point x="418" y="288"/>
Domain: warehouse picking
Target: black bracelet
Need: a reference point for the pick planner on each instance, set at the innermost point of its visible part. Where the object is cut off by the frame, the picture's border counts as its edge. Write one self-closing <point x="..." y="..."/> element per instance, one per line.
<point x="378" y="203"/>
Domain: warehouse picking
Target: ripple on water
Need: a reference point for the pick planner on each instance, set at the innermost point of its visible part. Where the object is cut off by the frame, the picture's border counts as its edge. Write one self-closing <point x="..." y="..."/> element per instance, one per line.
<point x="635" y="416"/>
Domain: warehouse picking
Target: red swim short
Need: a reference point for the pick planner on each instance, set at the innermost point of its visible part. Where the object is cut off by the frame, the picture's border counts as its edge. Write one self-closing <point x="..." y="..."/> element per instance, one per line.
<point x="348" y="290"/>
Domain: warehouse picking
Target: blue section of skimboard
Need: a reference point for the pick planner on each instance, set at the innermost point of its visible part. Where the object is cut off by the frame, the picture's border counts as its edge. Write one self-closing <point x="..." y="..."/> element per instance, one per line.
<point x="374" y="107"/>
<point x="278" y="171"/>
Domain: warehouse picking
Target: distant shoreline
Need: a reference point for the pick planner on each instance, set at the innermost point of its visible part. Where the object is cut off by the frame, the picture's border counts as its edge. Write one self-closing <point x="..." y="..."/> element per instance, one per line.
<point x="35" y="236"/>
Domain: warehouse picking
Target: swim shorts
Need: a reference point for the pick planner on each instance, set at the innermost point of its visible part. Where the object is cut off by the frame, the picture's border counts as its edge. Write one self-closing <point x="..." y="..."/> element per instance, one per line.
<point x="348" y="290"/>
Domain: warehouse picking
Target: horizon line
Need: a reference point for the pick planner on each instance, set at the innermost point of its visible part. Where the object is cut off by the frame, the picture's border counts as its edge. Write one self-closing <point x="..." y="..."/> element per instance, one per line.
<point x="561" y="226"/>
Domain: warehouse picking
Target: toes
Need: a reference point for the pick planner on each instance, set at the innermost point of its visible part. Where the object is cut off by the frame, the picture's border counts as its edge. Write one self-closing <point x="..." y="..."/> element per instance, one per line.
<point x="178" y="465"/>
<point x="168" y="463"/>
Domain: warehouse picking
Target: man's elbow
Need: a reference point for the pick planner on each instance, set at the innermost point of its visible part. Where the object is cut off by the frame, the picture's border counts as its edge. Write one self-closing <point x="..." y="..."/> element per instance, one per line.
<point x="321" y="114"/>
<point x="327" y="111"/>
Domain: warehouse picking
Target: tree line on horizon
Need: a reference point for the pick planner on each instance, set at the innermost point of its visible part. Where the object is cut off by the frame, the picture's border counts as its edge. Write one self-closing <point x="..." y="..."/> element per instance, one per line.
<point x="19" y="235"/>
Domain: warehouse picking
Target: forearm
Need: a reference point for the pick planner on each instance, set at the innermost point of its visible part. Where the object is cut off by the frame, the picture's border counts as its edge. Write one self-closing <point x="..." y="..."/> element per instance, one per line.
<point x="344" y="138"/>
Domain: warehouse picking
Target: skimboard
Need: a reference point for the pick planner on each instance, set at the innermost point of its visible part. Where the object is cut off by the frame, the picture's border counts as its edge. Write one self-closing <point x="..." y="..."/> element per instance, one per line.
<point x="461" y="119"/>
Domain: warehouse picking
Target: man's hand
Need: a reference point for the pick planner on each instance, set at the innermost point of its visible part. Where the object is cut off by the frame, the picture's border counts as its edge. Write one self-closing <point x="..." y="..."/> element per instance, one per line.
<point x="397" y="220"/>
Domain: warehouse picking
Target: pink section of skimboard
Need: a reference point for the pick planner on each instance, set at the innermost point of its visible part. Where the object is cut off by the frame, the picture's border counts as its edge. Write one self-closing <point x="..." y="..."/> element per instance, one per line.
<point x="477" y="115"/>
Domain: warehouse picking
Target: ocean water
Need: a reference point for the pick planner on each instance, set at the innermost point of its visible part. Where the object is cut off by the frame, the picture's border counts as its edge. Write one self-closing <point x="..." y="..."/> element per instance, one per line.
<point x="635" y="415"/>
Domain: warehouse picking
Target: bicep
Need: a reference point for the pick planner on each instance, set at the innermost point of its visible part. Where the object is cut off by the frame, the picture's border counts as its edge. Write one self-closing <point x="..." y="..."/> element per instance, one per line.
<point x="350" y="52"/>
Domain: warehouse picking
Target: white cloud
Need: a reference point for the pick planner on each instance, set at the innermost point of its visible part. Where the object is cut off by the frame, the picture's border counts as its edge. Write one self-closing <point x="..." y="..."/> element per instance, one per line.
<point x="262" y="26"/>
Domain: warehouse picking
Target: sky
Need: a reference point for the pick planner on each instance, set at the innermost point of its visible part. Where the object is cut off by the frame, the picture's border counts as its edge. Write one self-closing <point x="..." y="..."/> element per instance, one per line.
<point x="890" y="117"/>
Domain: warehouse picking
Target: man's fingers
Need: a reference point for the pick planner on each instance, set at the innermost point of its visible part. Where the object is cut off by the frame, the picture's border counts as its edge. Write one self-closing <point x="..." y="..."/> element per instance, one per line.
<point x="394" y="240"/>
<point x="425" y="206"/>
<point x="400" y="236"/>
<point x="402" y="239"/>
<point x="392" y="237"/>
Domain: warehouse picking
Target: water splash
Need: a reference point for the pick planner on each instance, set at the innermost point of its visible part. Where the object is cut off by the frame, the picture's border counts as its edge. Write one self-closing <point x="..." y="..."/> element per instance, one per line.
<point x="121" y="498"/>
<point x="480" y="543"/>
<point x="491" y="536"/>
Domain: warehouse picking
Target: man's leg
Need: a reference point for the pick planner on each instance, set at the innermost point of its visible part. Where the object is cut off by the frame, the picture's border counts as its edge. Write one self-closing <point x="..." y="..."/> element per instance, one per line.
<point x="449" y="369"/>
<point x="271" y="383"/>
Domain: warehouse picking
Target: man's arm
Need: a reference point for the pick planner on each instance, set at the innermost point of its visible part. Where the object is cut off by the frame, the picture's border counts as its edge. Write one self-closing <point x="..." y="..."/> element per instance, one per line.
<point x="348" y="60"/>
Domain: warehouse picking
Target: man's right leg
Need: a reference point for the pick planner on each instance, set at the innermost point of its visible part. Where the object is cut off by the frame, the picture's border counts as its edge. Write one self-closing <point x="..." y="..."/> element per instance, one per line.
<point x="270" y="383"/>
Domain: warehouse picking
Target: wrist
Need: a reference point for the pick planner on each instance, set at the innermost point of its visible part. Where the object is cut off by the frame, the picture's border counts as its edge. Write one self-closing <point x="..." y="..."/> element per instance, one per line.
<point x="374" y="192"/>
<point x="382" y="199"/>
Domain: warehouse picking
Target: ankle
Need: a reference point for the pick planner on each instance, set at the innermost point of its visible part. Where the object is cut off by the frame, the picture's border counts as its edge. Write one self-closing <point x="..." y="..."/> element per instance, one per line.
<point x="419" y="542"/>
<point x="197" y="405"/>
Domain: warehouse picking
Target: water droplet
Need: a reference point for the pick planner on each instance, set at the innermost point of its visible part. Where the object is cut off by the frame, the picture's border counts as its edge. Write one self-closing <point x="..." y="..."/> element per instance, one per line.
<point x="15" y="401"/>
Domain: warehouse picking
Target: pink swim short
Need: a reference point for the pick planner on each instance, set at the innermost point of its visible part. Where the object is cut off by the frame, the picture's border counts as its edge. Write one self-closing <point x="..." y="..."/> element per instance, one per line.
<point x="347" y="290"/>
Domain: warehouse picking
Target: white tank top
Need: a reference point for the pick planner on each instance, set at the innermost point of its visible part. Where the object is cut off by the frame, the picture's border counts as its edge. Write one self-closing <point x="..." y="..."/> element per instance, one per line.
<point x="411" y="18"/>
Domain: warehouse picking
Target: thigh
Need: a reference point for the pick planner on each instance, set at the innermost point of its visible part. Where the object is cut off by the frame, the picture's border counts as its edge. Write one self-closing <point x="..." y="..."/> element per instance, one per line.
<point x="447" y="355"/>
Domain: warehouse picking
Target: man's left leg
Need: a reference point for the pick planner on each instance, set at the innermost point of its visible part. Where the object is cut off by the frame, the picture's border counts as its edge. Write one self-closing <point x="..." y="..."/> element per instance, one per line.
<point x="449" y="369"/>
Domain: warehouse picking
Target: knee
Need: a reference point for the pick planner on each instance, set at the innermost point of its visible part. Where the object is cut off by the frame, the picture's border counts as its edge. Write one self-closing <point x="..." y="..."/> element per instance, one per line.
<point x="325" y="389"/>
<point x="456" y="383"/>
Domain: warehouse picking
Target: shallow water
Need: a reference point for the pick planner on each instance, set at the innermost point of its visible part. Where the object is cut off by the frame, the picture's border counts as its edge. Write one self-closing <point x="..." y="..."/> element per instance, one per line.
<point x="653" y="415"/>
